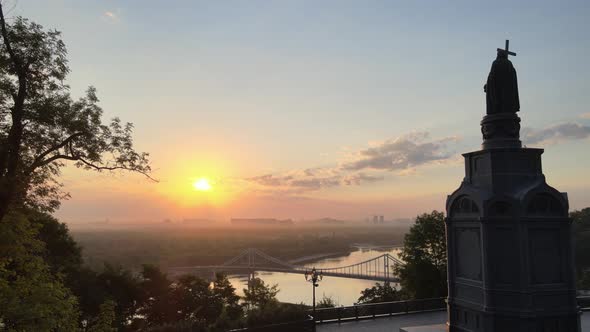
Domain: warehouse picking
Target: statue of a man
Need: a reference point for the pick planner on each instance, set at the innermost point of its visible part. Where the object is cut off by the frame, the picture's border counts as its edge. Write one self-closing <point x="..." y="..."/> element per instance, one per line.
<point x="502" y="89"/>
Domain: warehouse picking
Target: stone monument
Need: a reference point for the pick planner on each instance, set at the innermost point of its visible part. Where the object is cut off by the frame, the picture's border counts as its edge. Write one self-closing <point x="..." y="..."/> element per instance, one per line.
<point x="510" y="261"/>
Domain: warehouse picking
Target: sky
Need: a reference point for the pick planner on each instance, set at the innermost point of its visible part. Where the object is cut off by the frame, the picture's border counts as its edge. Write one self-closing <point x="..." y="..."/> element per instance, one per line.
<point x="311" y="109"/>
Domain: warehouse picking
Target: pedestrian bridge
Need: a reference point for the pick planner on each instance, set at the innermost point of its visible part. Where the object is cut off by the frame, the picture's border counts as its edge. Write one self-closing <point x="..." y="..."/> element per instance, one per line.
<point x="380" y="268"/>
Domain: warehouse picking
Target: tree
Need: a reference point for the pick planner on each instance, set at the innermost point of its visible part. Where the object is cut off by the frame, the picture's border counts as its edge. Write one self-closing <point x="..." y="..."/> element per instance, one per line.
<point x="275" y="312"/>
<point x="158" y="306"/>
<point x="195" y="300"/>
<point x="226" y="292"/>
<point x="584" y="280"/>
<point x="581" y="234"/>
<point x="326" y="302"/>
<point x="106" y="317"/>
<point x="62" y="253"/>
<point x="424" y="273"/>
<point x="581" y="218"/>
<point x="258" y="294"/>
<point x="380" y="293"/>
<point x="42" y="127"/>
<point x="64" y="259"/>
<point x="32" y="298"/>
<point x="122" y="287"/>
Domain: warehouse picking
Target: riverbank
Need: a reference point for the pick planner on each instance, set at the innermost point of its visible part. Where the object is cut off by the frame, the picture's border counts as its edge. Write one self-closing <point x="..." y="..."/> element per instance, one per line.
<point x="216" y="245"/>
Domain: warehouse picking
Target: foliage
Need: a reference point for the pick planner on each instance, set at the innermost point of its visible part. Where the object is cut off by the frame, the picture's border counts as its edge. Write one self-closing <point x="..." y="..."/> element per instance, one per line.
<point x="42" y="127"/>
<point x="62" y="253"/>
<point x="114" y="284"/>
<point x="157" y="302"/>
<point x="31" y="297"/>
<point x="380" y="293"/>
<point x="122" y="287"/>
<point x="274" y="312"/>
<point x="93" y="290"/>
<point x="106" y="317"/>
<point x="424" y="273"/>
<point x="581" y="218"/>
<point x="259" y="295"/>
<point x="264" y="309"/>
<point x="581" y="233"/>
<point x="584" y="280"/>
<point x="180" y="326"/>
<point x="326" y="302"/>
<point x="228" y="320"/>
<point x="188" y="303"/>
<point x="196" y="301"/>
<point x="226" y="293"/>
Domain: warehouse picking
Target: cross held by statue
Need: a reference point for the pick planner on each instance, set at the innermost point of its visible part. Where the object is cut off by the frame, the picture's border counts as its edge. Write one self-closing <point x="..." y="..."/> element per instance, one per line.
<point x="506" y="50"/>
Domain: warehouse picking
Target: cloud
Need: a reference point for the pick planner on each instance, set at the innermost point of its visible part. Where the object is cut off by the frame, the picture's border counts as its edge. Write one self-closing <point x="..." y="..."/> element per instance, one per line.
<point x="357" y="179"/>
<point x="301" y="181"/>
<point x="315" y="183"/>
<point x="402" y="153"/>
<point x="270" y="180"/>
<point x="585" y="115"/>
<point x="557" y="133"/>
<point x="111" y="16"/>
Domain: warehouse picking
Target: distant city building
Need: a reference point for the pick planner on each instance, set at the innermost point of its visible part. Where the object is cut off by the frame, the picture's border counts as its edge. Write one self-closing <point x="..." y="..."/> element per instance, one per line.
<point x="196" y="221"/>
<point x="378" y="220"/>
<point x="260" y="221"/>
<point x="328" y="221"/>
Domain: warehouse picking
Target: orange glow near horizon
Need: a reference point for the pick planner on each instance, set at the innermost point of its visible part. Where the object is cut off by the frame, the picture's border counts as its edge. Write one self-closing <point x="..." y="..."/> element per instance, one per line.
<point x="192" y="183"/>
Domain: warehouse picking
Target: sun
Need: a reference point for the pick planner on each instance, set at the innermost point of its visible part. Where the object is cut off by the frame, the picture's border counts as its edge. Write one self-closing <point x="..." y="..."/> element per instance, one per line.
<point x="202" y="184"/>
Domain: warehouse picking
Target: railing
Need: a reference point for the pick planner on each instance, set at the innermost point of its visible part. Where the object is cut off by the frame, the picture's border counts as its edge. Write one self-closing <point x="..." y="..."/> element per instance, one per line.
<point x="307" y="325"/>
<point x="584" y="303"/>
<point x="369" y="311"/>
<point x="372" y="310"/>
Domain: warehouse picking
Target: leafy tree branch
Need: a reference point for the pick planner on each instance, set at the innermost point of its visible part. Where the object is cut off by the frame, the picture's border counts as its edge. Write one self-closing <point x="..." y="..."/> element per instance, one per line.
<point x="42" y="128"/>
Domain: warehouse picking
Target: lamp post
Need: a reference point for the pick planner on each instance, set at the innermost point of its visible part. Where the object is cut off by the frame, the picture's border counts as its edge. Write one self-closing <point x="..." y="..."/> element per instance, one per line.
<point x="314" y="277"/>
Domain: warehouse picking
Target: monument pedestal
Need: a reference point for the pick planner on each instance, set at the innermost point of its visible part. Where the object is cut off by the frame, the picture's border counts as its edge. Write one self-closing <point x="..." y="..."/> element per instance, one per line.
<point x="509" y="248"/>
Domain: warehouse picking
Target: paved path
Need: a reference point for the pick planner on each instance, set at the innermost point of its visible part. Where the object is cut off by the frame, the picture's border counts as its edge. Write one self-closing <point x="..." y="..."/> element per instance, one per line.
<point x="389" y="324"/>
<point x="393" y="324"/>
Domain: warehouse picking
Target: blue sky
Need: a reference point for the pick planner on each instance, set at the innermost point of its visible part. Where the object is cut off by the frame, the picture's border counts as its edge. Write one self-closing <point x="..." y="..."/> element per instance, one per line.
<point x="236" y="90"/>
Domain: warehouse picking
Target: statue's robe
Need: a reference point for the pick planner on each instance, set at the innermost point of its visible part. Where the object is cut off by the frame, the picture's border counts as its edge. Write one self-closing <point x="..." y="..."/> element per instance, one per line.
<point x="502" y="88"/>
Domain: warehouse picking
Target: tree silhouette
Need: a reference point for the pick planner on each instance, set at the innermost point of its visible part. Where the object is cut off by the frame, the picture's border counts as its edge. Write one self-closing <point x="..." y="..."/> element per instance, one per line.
<point x="42" y="127"/>
<point x="424" y="273"/>
<point x="379" y="293"/>
<point x="158" y="306"/>
<point x="259" y="295"/>
<point x="195" y="300"/>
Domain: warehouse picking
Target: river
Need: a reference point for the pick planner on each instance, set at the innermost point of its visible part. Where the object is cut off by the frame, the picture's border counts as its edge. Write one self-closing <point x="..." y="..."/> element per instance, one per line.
<point x="295" y="289"/>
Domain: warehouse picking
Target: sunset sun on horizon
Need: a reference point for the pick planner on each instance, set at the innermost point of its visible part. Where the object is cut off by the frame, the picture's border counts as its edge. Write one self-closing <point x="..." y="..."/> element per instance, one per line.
<point x="202" y="184"/>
